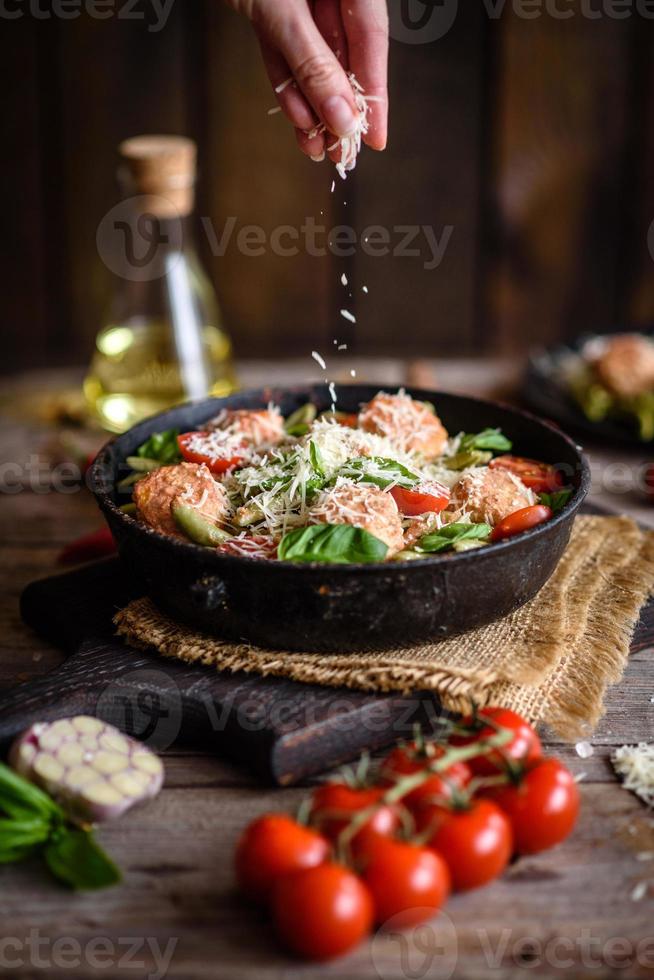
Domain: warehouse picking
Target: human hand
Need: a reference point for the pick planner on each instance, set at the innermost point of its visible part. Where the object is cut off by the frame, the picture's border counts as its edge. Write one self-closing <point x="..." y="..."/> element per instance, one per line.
<point x="315" y="42"/>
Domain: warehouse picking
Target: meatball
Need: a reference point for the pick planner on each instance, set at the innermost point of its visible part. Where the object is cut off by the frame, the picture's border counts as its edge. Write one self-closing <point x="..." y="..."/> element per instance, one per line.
<point x="409" y="424"/>
<point x="488" y="496"/>
<point x="264" y="427"/>
<point x="189" y="483"/>
<point x="626" y="366"/>
<point x="362" y="506"/>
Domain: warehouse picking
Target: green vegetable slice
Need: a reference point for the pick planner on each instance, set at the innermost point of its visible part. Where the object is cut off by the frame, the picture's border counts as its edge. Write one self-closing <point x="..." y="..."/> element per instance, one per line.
<point x="198" y="528"/>
<point x="298" y="423"/>
<point x="316" y="459"/>
<point x="379" y="471"/>
<point x="339" y="544"/>
<point x="161" y="447"/>
<point x="451" y="534"/>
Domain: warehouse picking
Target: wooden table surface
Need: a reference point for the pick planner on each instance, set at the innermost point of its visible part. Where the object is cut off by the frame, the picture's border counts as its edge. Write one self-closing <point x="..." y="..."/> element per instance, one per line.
<point x="570" y="912"/>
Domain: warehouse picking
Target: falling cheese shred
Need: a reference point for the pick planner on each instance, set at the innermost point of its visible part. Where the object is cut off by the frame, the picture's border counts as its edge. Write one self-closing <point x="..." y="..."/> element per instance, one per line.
<point x="635" y="764"/>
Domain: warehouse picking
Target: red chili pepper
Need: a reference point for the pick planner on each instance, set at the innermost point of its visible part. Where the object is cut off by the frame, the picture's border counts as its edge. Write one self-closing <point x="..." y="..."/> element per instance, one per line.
<point x="98" y="544"/>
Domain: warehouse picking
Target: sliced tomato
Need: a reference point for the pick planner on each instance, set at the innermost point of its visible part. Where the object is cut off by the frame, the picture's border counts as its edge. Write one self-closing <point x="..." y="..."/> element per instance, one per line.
<point x="350" y="420"/>
<point x="521" y="520"/>
<point x="539" y="477"/>
<point x="217" y="464"/>
<point x="430" y="498"/>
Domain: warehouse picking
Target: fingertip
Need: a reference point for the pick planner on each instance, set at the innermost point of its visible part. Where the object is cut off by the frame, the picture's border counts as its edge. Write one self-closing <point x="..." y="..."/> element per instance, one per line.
<point x="311" y="146"/>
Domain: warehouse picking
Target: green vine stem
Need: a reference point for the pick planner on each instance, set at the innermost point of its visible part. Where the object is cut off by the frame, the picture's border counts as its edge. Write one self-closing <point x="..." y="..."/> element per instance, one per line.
<point x="405" y="785"/>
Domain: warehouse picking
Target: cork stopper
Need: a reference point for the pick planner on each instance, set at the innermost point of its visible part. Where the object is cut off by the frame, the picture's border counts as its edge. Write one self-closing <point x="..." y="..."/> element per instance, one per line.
<point x="162" y="170"/>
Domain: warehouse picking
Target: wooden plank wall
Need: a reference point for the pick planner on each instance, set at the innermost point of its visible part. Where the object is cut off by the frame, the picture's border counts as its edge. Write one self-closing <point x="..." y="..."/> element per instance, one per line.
<point x="531" y="140"/>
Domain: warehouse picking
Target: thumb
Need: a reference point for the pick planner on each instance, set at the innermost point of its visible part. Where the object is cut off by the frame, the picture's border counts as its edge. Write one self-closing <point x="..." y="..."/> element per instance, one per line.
<point x="291" y="29"/>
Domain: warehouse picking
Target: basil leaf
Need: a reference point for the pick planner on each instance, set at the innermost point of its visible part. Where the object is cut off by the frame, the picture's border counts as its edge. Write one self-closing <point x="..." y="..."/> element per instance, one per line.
<point x="379" y="471"/>
<point x="488" y="439"/>
<point x="21" y="799"/>
<point x="449" y="534"/>
<point x="339" y="544"/>
<point x="316" y="459"/>
<point x="162" y="447"/>
<point x="18" y="838"/>
<point x="75" y="858"/>
<point x="556" y="501"/>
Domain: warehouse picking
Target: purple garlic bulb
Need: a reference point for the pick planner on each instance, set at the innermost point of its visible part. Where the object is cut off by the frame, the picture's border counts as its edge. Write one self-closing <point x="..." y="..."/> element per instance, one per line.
<point x="90" y="768"/>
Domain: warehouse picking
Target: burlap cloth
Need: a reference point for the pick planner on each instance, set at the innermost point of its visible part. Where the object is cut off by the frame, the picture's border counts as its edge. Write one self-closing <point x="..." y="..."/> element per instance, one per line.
<point x="552" y="660"/>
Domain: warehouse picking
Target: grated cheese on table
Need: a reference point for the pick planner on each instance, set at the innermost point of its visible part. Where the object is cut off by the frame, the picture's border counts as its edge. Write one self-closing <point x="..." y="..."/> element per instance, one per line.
<point x="635" y="763"/>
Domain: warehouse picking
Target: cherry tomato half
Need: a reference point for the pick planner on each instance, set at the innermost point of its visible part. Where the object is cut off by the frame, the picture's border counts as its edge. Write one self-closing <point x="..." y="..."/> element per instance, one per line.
<point x="217" y="464"/>
<point x="524" y="746"/>
<point x="333" y="805"/>
<point x="433" y="498"/>
<point x="322" y="912"/>
<point x="407" y="759"/>
<point x="272" y="846"/>
<point x="521" y="520"/>
<point x="408" y="883"/>
<point x="539" y="477"/>
<point x="476" y="843"/>
<point x="542" y="806"/>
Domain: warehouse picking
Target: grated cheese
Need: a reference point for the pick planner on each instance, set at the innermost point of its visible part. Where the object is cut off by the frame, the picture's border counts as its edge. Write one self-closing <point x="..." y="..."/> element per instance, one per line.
<point x="348" y="316"/>
<point x="635" y="763"/>
<point x="319" y="359"/>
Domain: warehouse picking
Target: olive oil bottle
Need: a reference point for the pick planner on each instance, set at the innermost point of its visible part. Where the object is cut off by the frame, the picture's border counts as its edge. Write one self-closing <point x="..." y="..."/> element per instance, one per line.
<point x="163" y="341"/>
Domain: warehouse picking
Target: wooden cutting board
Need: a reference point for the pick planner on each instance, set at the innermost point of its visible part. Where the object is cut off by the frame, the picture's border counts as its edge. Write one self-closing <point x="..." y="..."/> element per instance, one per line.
<point x="282" y="729"/>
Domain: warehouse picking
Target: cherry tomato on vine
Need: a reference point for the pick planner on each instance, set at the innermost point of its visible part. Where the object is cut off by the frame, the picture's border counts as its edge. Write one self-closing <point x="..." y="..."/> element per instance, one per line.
<point x="521" y="520"/>
<point x="407" y="759"/>
<point x="475" y="843"/>
<point x="524" y="745"/>
<point x="217" y="464"/>
<point x="539" y="477"/>
<point x="430" y="498"/>
<point x="408" y="883"/>
<point x="542" y="805"/>
<point x="272" y="846"/>
<point x="334" y="805"/>
<point x="322" y="912"/>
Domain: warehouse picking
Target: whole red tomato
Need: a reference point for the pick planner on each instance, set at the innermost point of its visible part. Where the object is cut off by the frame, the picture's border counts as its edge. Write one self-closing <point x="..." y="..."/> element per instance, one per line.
<point x="476" y="843"/>
<point x="272" y="846"/>
<point x="542" y="805"/>
<point x="322" y="912"/>
<point x="334" y="805"/>
<point x="524" y="746"/>
<point x="407" y="759"/>
<point x="408" y="883"/>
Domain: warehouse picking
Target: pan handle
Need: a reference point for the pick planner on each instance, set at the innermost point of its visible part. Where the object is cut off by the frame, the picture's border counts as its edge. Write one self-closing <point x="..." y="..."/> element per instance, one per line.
<point x="209" y="593"/>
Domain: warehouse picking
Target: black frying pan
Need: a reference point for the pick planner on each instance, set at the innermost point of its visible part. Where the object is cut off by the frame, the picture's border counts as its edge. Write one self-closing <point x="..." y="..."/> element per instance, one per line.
<point x="343" y="607"/>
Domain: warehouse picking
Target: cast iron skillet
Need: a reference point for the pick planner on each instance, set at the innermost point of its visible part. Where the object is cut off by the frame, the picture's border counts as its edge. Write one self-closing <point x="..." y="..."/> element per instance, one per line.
<point x="342" y="607"/>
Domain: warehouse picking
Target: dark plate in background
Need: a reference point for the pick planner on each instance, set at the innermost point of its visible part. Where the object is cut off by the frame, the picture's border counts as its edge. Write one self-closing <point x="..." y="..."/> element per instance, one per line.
<point x="545" y="392"/>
